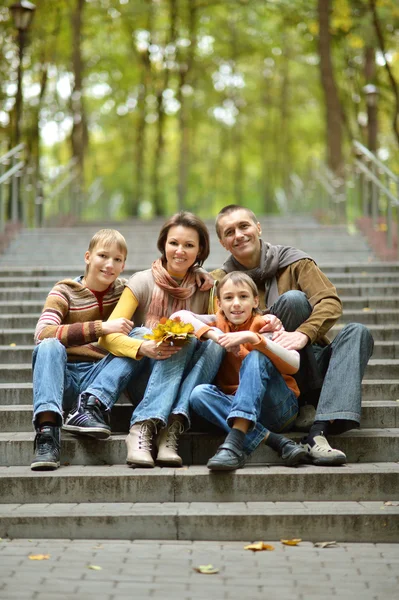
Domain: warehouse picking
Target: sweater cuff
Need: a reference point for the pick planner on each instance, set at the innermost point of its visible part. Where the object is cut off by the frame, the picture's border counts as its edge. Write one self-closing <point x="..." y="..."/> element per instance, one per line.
<point x="98" y="328"/>
<point x="200" y="332"/>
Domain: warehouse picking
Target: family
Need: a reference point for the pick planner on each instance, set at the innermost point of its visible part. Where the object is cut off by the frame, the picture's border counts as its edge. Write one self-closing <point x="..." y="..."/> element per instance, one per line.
<point x="259" y="354"/>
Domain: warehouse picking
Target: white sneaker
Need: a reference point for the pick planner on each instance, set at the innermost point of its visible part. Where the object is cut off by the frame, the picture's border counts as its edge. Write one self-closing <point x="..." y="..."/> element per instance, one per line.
<point x="321" y="452"/>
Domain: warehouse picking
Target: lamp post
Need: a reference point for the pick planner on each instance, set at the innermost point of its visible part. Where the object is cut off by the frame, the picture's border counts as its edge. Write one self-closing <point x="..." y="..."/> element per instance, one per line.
<point x="371" y="93"/>
<point x="22" y="13"/>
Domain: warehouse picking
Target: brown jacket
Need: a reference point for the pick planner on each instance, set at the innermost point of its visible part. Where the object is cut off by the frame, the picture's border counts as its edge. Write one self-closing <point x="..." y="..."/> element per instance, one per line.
<point x="304" y="275"/>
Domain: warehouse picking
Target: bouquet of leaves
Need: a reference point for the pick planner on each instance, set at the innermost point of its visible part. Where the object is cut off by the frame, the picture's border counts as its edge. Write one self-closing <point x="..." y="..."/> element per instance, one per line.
<point x="172" y="331"/>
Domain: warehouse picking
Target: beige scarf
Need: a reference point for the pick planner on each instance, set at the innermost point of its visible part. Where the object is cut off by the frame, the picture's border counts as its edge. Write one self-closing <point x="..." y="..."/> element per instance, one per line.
<point x="165" y="286"/>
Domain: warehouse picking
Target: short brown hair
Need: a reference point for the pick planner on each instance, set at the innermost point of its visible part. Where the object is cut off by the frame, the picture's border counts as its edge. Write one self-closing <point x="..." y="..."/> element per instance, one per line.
<point x="186" y="219"/>
<point x="238" y="277"/>
<point x="108" y="237"/>
<point x="232" y="208"/>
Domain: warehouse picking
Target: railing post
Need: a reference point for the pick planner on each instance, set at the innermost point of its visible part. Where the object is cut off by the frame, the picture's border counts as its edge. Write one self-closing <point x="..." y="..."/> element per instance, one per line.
<point x="14" y="194"/>
<point x="2" y="169"/>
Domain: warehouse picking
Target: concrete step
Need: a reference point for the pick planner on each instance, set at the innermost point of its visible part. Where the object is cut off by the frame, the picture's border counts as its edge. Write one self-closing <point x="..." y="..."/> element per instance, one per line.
<point x="371" y="302"/>
<point x="367" y="316"/>
<point x="119" y="483"/>
<point x="367" y="289"/>
<point x="16" y="336"/>
<point x="311" y="521"/>
<point x="380" y="333"/>
<point x="18" y="417"/>
<point x="384" y="277"/>
<point x="16" y="393"/>
<point x="20" y="307"/>
<point x="364" y="445"/>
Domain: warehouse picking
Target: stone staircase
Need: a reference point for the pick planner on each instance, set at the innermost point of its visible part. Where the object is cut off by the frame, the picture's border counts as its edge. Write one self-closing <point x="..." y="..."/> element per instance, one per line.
<point x="95" y="495"/>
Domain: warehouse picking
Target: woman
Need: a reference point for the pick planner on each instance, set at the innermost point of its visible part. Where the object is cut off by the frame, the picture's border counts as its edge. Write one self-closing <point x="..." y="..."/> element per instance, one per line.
<point x="169" y="285"/>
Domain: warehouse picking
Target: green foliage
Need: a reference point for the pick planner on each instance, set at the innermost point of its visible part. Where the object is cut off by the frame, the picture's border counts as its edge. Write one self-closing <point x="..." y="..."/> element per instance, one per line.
<point x="220" y="98"/>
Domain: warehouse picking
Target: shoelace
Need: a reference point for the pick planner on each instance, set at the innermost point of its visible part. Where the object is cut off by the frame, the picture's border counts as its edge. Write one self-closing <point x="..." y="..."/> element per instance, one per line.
<point x="174" y="432"/>
<point x="147" y="430"/>
<point x="48" y="442"/>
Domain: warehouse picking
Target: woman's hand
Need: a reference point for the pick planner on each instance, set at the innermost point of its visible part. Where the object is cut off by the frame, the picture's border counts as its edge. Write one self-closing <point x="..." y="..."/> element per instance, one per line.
<point x="203" y="280"/>
<point x="272" y="323"/>
<point x="151" y="350"/>
<point x="120" y="325"/>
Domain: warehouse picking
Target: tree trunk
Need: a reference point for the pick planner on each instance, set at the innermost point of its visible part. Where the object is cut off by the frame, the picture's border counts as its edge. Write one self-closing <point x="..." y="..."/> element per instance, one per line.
<point x="332" y="102"/>
<point x="79" y="136"/>
<point x="372" y="115"/>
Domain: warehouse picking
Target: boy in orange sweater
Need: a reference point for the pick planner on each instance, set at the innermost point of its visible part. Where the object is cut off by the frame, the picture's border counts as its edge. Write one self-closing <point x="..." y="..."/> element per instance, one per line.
<point x="254" y="393"/>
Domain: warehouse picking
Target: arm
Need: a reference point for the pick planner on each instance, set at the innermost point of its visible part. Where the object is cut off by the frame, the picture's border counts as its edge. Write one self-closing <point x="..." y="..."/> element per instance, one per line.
<point x="51" y="323"/>
<point x="203" y="324"/>
<point x="120" y="344"/>
<point x="286" y="361"/>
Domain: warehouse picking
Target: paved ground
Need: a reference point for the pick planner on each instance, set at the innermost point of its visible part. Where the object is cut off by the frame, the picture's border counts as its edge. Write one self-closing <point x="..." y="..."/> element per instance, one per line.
<point x="118" y="570"/>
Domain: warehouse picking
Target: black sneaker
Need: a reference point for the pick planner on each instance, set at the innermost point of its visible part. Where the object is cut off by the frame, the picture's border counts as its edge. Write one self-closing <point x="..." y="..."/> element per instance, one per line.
<point x="89" y="418"/>
<point x="47" y="448"/>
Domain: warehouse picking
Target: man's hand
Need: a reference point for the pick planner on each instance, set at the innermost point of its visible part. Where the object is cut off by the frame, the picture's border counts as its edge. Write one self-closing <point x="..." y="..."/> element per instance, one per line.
<point x="203" y="280"/>
<point x="163" y="351"/>
<point x="272" y="323"/>
<point x="291" y="340"/>
<point x="120" y="325"/>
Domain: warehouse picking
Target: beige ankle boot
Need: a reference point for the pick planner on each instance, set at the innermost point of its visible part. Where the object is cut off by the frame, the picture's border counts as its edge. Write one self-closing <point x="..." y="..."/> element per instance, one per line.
<point x="168" y="441"/>
<point x="138" y="444"/>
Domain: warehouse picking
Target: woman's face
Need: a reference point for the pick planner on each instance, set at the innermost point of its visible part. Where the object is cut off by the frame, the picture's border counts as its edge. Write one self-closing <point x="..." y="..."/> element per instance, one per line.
<point x="181" y="249"/>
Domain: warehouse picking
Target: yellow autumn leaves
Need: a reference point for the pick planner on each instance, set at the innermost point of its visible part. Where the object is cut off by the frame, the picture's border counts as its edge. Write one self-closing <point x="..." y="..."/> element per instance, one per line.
<point x="171" y="330"/>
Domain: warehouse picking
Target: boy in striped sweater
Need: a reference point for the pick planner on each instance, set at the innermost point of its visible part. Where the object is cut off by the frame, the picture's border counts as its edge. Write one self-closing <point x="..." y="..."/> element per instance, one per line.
<point x="67" y="358"/>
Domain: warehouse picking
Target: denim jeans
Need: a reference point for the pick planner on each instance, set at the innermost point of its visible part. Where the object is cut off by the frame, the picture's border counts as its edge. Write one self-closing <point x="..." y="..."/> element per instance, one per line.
<point x="263" y="398"/>
<point x="57" y="383"/>
<point x="172" y="381"/>
<point x="341" y="363"/>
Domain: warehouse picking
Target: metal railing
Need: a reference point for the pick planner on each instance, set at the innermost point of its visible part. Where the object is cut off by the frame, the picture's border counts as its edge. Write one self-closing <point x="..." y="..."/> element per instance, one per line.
<point x="377" y="189"/>
<point x="12" y="170"/>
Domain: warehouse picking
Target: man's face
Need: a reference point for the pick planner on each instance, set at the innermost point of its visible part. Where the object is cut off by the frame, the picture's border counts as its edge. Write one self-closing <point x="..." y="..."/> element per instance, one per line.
<point x="240" y="236"/>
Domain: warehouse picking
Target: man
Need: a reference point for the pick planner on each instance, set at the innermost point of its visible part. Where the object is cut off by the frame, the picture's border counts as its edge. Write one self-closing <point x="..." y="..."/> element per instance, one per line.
<point x="292" y="287"/>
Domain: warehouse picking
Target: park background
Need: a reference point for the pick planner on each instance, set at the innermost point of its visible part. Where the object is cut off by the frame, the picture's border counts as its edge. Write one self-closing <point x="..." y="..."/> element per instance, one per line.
<point x="159" y="105"/>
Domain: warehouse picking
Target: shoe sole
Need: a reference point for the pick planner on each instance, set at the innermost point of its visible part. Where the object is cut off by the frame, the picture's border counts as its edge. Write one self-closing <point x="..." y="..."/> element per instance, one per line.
<point x="143" y="465"/>
<point x="168" y="463"/>
<point x="329" y="462"/>
<point x="94" y="432"/>
<point x="44" y="466"/>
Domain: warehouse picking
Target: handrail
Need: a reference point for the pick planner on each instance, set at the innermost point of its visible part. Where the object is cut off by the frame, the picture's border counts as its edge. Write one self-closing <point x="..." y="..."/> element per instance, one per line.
<point x="363" y="150"/>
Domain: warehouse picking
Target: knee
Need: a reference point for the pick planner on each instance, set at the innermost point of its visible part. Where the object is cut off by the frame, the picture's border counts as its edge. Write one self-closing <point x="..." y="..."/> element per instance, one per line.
<point x="50" y="346"/>
<point x="296" y="300"/>
<point x="139" y="332"/>
<point x="197" y="397"/>
<point x="357" y="332"/>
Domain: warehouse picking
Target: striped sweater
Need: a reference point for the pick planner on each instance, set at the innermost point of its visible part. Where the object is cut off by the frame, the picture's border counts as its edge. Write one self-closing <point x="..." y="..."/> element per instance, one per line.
<point x="72" y="314"/>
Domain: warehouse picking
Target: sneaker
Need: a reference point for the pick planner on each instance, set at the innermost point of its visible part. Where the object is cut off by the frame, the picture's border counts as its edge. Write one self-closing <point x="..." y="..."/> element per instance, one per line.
<point x="321" y="452"/>
<point x="168" y="441"/>
<point x="227" y="458"/>
<point x="305" y="418"/>
<point x="47" y="448"/>
<point x="89" y="418"/>
<point x="139" y="443"/>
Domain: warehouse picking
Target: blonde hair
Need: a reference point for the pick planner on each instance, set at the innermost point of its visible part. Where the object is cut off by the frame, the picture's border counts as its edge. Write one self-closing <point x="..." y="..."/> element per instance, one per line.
<point x="237" y="277"/>
<point x="107" y="237"/>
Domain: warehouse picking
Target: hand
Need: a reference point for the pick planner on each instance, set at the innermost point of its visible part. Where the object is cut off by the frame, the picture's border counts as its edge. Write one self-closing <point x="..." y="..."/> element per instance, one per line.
<point x="120" y="325"/>
<point x="231" y="341"/>
<point x="291" y="340"/>
<point x="203" y="280"/>
<point x="272" y="323"/>
<point x="163" y="351"/>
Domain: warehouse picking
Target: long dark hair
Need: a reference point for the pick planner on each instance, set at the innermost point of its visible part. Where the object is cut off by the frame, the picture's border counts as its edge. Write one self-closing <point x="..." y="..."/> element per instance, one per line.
<point x="186" y="219"/>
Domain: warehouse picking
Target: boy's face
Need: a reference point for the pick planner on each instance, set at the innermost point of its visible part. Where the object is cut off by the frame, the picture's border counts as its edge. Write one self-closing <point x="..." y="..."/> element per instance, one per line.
<point x="104" y="265"/>
<point x="237" y="302"/>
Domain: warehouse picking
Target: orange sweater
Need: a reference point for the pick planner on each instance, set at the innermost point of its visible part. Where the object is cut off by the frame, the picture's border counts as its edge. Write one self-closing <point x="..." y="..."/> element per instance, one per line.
<point x="228" y="376"/>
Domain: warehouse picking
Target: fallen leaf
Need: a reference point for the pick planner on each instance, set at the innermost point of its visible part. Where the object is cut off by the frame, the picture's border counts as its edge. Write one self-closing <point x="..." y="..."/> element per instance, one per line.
<point x="39" y="556"/>
<point x="389" y="503"/>
<point x="259" y="546"/>
<point x="98" y="547"/>
<point x="95" y="567"/>
<point x="206" y="569"/>
<point x="13" y="345"/>
<point x="366" y="309"/>
<point x="293" y="542"/>
<point x="326" y="544"/>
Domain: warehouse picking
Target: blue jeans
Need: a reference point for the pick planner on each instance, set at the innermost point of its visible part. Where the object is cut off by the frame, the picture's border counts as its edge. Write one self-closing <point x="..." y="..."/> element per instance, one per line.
<point x="263" y="398"/>
<point x="172" y="381"/>
<point x="341" y="363"/>
<point x="57" y="383"/>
